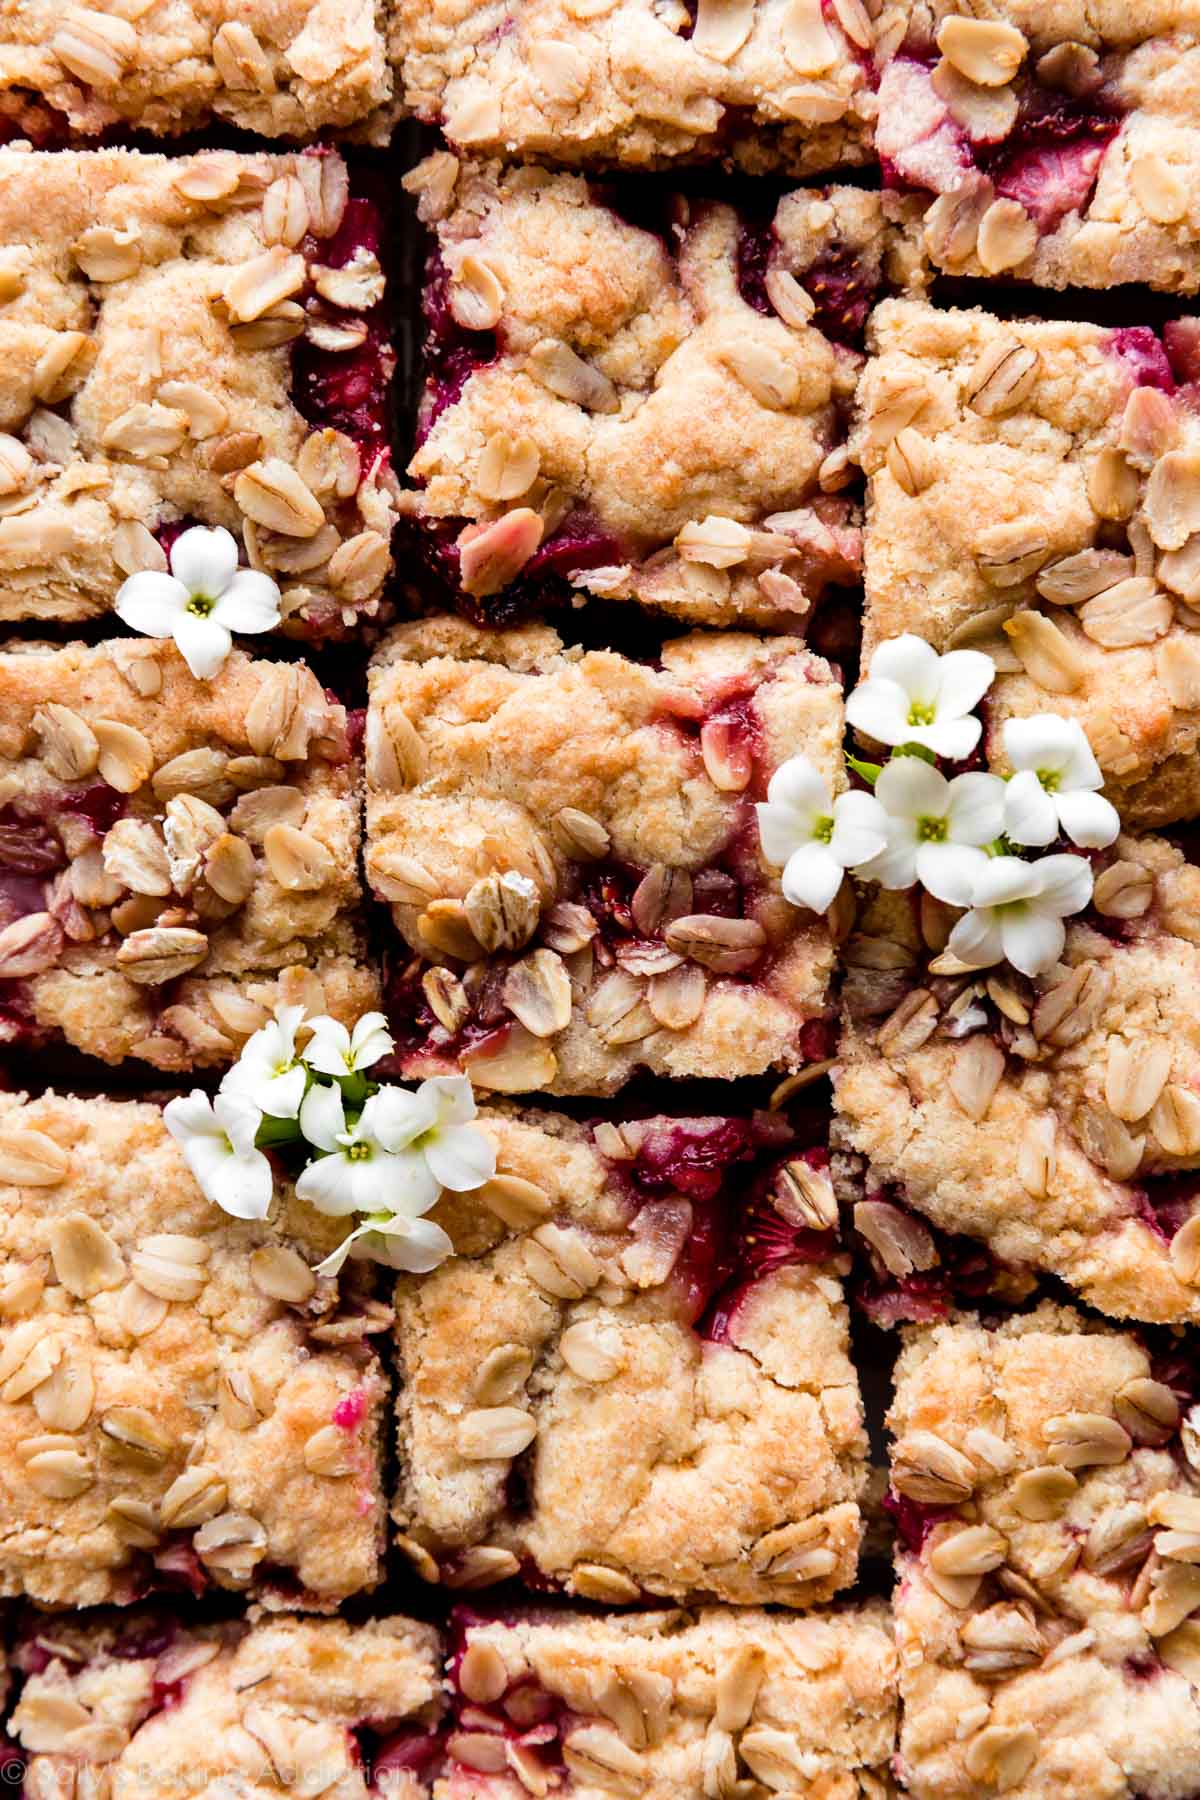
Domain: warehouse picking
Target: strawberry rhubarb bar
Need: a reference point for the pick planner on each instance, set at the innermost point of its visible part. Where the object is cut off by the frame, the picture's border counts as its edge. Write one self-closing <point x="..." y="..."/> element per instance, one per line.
<point x="639" y="398"/>
<point x="195" y="340"/>
<point x="1058" y="145"/>
<point x="1048" y="1525"/>
<point x="672" y="1705"/>
<point x="184" y="1403"/>
<point x="784" y="84"/>
<point x="1034" y="491"/>
<point x="280" y="68"/>
<point x="145" y="1703"/>
<point x="176" y="856"/>
<point x="1056" y="1122"/>
<point x="659" y="1300"/>
<point x="568" y="845"/>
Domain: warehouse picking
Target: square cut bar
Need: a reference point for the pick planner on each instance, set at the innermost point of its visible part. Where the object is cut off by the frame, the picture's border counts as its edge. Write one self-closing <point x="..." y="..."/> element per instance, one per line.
<point x="569" y="847"/>
<point x="281" y="68"/>
<point x="1059" y="1121"/>
<point x="777" y="85"/>
<point x="143" y="1704"/>
<point x="195" y="340"/>
<point x="184" y="1402"/>
<point x="673" y="1705"/>
<point x="642" y="398"/>
<point x="176" y="856"/>
<point x="633" y="1377"/>
<point x="1048" y="1518"/>
<point x="1035" y="492"/>
<point x="1062" y="143"/>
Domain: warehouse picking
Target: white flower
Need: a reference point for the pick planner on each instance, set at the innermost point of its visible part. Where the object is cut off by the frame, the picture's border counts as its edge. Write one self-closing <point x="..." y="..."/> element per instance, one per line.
<point x="813" y="838"/>
<point x="335" y="1051"/>
<point x="1055" y="787"/>
<point x="935" y="828"/>
<point x="269" y="1071"/>
<point x="403" y="1150"/>
<point x="204" y="598"/>
<point x="1017" y="912"/>
<point x="416" y="1245"/>
<point x="217" y="1140"/>
<point x="914" y="696"/>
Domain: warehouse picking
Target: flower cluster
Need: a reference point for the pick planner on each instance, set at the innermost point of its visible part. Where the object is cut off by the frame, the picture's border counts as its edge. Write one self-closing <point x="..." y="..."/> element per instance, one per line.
<point x="959" y="836"/>
<point x="203" y="600"/>
<point x="385" y="1153"/>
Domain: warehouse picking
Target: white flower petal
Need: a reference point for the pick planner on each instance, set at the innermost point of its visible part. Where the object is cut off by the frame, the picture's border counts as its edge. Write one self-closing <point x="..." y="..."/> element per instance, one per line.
<point x="204" y="559"/>
<point x="280" y="1097"/>
<point x="400" y="1183"/>
<point x="151" y="602"/>
<point x="250" y="603"/>
<point x="860" y="829"/>
<point x="1045" y="742"/>
<point x="1065" y="884"/>
<point x="976" y="940"/>
<point x="328" y="1047"/>
<point x="911" y="788"/>
<point x="812" y="877"/>
<point x="912" y="664"/>
<point x="800" y="785"/>
<point x="964" y="677"/>
<point x="191" y="1115"/>
<point x="1088" y="819"/>
<point x="203" y="643"/>
<point x="323" y="1116"/>
<point x="244" y="1186"/>
<point x="1033" y="941"/>
<point x="453" y="1097"/>
<point x="879" y="709"/>
<point x="333" y="1262"/>
<point x="1003" y="879"/>
<point x="952" y="738"/>
<point x="896" y="865"/>
<point x="975" y="809"/>
<point x="415" y="1245"/>
<point x="1030" y="815"/>
<point x="328" y="1183"/>
<point x="239" y="1119"/>
<point x="462" y="1158"/>
<point x="949" y="871"/>
<point x="370" y="1040"/>
<point x="395" y="1116"/>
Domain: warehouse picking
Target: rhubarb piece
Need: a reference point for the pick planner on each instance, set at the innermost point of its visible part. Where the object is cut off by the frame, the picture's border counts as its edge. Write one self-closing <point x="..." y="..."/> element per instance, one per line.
<point x="280" y="68"/>
<point x="1055" y="1122"/>
<point x="194" y="340"/>
<point x="1048" y="1512"/>
<point x="672" y="1704"/>
<point x="185" y="1403"/>
<point x="633" y="1377"/>
<point x="640" y="402"/>
<point x="623" y="81"/>
<point x="317" y="1706"/>
<point x="177" y="857"/>
<point x="1050" y="146"/>
<point x="569" y="848"/>
<point x="1034" y="491"/>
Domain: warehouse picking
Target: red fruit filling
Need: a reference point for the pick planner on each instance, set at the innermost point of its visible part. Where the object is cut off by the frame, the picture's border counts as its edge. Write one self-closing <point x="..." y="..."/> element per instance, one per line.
<point x="1145" y="356"/>
<point x="1181" y="341"/>
<point x="913" y="1520"/>
<point x="965" y="1271"/>
<point x="348" y="390"/>
<point x="1165" y="1203"/>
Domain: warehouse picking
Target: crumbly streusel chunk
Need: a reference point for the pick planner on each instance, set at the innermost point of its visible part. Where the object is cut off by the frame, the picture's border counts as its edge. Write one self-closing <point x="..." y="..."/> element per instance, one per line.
<point x="117" y="1703"/>
<point x="634" y="1374"/>
<point x="1048" y="1525"/>
<point x="1035" y="490"/>
<point x="190" y="340"/>
<point x="647" y="410"/>
<point x="779" y="85"/>
<point x="1058" y="1121"/>
<point x="176" y="856"/>
<point x="281" y="68"/>
<point x="569" y="847"/>
<point x="183" y="1400"/>
<point x="1061" y="141"/>
<point x="675" y="1705"/>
